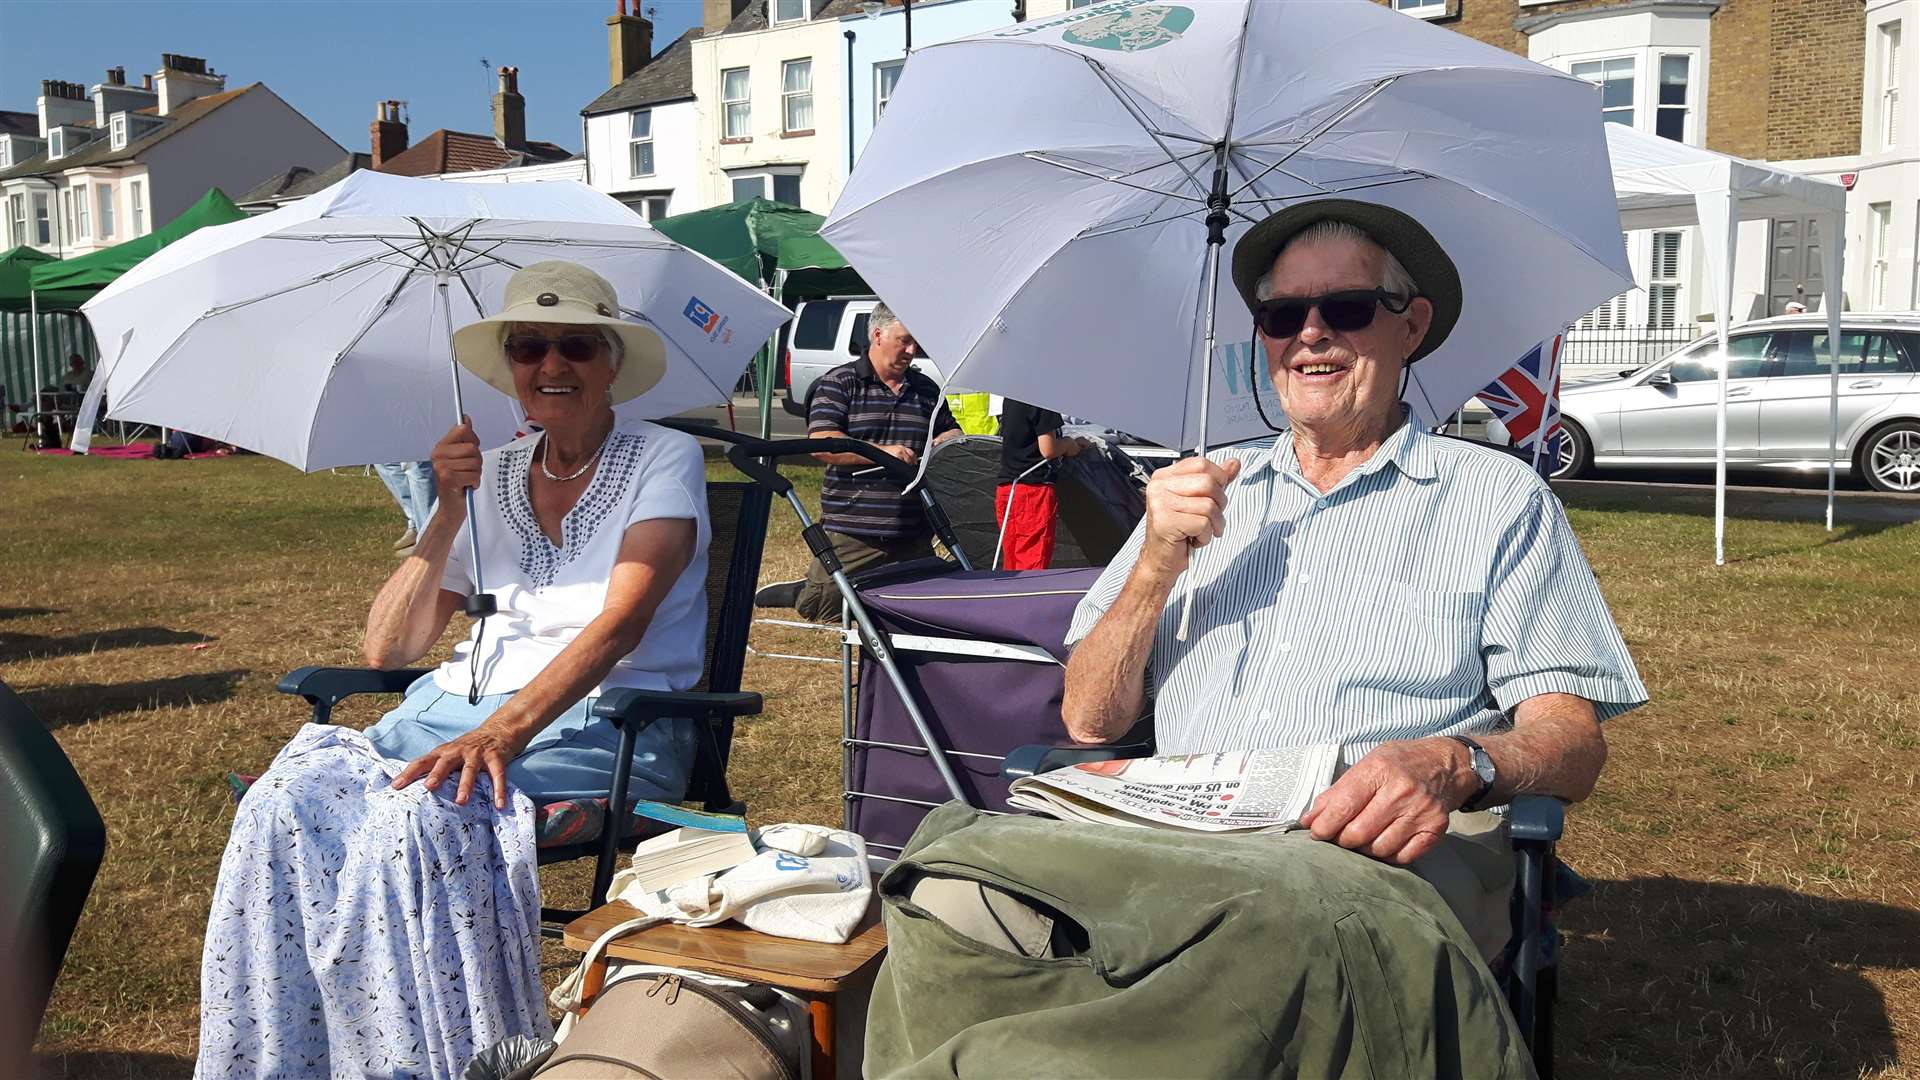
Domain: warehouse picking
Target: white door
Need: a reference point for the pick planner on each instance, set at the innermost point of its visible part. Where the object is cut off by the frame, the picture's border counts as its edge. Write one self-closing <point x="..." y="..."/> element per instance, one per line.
<point x="1676" y="417"/>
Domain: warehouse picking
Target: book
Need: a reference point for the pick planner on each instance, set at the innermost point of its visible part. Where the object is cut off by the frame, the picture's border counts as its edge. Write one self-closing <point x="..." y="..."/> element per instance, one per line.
<point x="1238" y="791"/>
<point x="700" y="844"/>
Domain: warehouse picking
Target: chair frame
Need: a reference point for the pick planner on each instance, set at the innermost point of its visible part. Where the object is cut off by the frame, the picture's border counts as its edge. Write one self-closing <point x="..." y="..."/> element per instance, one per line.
<point x="1534" y="823"/>
<point x="630" y="710"/>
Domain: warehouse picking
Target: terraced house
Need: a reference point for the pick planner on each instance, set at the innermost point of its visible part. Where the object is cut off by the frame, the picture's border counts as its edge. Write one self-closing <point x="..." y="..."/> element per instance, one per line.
<point x="1811" y="85"/>
<point x="93" y="167"/>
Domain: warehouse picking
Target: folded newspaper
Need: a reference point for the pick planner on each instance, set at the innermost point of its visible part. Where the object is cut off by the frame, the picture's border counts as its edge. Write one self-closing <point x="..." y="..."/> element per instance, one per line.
<point x="1240" y="791"/>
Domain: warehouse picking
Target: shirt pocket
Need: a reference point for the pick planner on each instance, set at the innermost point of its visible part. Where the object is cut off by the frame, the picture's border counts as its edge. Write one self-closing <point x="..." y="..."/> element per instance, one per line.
<point x="1435" y="605"/>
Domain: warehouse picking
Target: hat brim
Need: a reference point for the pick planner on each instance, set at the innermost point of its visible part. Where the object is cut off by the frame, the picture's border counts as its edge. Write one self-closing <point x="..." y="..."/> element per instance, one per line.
<point x="477" y="347"/>
<point x="1433" y="271"/>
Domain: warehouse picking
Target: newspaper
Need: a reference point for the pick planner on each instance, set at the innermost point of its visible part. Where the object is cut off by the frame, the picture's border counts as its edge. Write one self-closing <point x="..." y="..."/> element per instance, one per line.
<point x="1240" y="791"/>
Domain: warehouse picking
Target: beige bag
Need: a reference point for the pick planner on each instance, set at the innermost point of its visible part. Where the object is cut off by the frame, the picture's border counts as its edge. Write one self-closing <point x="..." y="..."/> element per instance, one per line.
<point x="662" y="1023"/>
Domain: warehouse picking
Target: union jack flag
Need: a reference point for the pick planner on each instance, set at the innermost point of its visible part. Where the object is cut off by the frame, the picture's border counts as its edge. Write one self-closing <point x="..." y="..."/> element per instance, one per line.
<point x="1527" y="401"/>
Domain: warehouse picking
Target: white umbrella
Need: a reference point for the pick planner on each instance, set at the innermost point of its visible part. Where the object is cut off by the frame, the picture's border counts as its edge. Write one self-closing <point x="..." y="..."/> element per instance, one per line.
<point x="1036" y="202"/>
<point x="319" y="333"/>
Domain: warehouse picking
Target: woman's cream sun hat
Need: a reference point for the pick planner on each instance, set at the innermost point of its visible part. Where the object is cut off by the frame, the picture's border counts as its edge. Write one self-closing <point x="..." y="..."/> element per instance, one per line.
<point x="561" y="292"/>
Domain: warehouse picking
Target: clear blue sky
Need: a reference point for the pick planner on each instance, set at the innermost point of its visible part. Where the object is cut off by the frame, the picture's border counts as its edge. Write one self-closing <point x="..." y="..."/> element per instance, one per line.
<point x="334" y="59"/>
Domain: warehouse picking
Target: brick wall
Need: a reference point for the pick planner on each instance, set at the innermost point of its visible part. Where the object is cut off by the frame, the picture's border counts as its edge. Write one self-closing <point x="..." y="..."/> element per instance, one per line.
<point x="1813" y="90"/>
<point x="1785" y="78"/>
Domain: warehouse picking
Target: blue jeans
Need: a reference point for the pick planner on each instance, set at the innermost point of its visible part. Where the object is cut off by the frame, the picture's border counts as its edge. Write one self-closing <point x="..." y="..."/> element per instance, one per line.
<point x="572" y="758"/>
<point x="411" y="484"/>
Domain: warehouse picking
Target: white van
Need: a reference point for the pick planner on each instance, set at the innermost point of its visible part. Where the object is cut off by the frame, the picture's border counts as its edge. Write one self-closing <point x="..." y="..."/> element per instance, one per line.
<point x="826" y="334"/>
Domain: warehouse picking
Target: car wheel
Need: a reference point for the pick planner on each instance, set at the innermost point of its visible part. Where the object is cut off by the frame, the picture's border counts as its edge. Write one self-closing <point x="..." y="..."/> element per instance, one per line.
<point x="1890" y="457"/>
<point x="1576" y="452"/>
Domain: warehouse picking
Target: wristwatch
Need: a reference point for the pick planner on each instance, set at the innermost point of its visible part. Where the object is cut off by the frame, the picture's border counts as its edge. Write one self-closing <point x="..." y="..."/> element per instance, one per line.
<point x="1482" y="768"/>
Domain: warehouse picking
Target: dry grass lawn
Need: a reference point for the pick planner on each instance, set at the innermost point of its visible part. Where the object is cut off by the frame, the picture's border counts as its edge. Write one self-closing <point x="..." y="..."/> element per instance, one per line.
<point x="1755" y="842"/>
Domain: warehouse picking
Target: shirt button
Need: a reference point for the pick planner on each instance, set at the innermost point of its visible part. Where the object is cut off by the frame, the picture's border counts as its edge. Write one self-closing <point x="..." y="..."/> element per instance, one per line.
<point x="1286" y="647"/>
<point x="1306" y="579"/>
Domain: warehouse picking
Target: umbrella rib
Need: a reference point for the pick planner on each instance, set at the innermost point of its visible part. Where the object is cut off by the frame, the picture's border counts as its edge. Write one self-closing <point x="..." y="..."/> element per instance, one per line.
<point x="1233" y="87"/>
<point x="1153" y="133"/>
<point x="296" y="287"/>
<point x="392" y="295"/>
<point x="1344" y="112"/>
<point x="1035" y="155"/>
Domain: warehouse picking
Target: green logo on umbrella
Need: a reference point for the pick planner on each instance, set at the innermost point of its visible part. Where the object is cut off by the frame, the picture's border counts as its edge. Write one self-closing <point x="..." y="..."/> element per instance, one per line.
<point x="1133" y="30"/>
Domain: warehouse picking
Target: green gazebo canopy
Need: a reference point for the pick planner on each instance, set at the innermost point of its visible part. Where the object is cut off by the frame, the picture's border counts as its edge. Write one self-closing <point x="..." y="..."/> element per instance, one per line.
<point x="88" y="274"/>
<point x="16" y="273"/>
<point x="809" y="267"/>
<point x="749" y="238"/>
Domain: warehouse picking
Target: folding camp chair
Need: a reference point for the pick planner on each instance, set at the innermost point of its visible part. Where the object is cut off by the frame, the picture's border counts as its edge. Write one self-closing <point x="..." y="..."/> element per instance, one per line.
<point x="1529" y="968"/>
<point x="738" y="512"/>
<point x="51" y="842"/>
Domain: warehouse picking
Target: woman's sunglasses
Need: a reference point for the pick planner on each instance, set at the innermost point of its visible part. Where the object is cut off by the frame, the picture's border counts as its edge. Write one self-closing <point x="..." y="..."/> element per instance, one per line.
<point x="574" y="348"/>
<point x="1345" y="311"/>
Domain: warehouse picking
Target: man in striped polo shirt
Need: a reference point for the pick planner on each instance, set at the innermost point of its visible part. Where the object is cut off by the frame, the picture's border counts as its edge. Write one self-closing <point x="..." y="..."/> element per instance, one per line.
<point x="1419" y="600"/>
<point x="880" y="399"/>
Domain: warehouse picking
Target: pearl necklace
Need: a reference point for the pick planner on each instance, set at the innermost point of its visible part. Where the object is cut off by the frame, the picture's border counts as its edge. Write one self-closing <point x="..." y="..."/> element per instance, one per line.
<point x="546" y="448"/>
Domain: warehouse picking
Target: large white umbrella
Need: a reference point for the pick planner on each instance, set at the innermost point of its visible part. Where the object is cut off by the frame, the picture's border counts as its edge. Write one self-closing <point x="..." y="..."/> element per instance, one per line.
<point x="1035" y="203"/>
<point x="320" y="333"/>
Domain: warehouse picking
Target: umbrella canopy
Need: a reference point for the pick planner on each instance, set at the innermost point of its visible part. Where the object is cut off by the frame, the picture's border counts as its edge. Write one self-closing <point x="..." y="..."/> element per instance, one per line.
<point x="319" y="333"/>
<point x="1051" y="238"/>
<point x="71" y="282"/>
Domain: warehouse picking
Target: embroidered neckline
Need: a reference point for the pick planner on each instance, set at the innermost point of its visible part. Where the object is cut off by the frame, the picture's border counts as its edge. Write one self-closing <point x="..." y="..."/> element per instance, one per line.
<point x="540" y="560"/>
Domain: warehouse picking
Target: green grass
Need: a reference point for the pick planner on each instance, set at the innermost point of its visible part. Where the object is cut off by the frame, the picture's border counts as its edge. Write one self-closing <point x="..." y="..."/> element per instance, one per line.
<point x="1755" y="839"/>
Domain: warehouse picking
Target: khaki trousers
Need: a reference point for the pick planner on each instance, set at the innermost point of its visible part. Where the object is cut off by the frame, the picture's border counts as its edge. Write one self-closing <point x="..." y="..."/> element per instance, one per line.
<point x="820" y="601"/>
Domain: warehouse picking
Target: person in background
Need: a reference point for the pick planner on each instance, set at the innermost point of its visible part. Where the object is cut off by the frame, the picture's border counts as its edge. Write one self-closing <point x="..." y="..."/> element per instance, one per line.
<point x="1794" y="307"/>
<point x="878" y="398"/>
<point x="411" y="485"/>
<point x="1026" y="504"/>
<point x="78" y="374"/>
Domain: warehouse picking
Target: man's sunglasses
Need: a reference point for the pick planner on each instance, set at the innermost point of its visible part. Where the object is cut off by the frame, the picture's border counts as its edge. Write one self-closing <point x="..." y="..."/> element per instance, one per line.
<point x="574" y="348"/>
<point x="1346" y="310"/>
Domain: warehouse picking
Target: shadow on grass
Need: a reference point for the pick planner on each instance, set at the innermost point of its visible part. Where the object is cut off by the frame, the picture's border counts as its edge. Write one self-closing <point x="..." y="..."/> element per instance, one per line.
<point x="1668" y="977"/>
<point x="108" y="1065"/>
<point x="16" y="647"/>
<point x="26" y="612"/>
<point x="77" y="703"/>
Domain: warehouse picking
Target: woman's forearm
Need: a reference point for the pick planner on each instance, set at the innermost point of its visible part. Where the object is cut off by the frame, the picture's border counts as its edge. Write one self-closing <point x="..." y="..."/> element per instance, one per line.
<point x="572" y="675"/>
<point x="406" y="618"/>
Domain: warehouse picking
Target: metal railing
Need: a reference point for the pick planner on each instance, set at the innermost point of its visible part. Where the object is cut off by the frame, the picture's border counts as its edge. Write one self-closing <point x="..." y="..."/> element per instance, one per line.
<point x="1623" y="347"/>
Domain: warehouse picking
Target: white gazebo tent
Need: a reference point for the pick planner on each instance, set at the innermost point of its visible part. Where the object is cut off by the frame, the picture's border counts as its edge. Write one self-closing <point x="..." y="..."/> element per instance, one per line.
<point x="1661" y="183"/>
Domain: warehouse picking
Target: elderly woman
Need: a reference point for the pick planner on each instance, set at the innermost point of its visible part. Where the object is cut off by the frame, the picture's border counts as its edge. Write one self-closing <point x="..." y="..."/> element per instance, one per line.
<point x="377" y="909"/>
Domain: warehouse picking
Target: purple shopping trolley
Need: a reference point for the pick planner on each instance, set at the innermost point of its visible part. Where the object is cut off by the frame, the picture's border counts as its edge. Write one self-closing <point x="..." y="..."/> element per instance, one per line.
<point x="981" y="653"/>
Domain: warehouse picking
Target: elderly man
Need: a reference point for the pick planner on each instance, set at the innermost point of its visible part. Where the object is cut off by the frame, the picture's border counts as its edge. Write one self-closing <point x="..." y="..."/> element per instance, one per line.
<point x="880" y="399"/>
<point x="1357" y="580"/>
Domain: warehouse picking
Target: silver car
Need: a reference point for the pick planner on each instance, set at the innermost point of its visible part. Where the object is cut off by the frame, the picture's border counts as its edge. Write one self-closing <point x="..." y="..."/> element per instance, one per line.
<point x="1777" y="403"/>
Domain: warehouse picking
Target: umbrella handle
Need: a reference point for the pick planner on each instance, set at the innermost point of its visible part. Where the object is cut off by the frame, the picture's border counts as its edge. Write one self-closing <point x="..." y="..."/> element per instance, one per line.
<point x="1216" y="239"/>
<point x="480" y="603"/>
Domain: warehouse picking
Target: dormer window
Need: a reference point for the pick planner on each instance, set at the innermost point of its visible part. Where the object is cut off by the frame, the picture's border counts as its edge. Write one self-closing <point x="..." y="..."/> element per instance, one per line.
<point x="786" y="11"/>
<point x="57" y="143"/>
<point x="118" y="130"/>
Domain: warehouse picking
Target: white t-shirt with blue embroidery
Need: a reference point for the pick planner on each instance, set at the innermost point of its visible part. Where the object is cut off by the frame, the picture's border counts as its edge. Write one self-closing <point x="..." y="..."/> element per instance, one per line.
<point x="547" y="594"/>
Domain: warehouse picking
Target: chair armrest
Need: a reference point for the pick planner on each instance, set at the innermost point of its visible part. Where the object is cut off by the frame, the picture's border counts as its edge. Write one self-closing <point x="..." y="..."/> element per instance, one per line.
<point x="1535" y="819"/>
<point x="1035" y="759"/>
<point x="630" y="705"/>
<point x="325" y="687"/>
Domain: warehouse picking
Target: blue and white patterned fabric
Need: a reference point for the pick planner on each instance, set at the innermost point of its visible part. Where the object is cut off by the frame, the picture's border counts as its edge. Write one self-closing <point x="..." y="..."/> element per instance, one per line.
<point x="359" y="931"/>
<point x="1432" y="590"/>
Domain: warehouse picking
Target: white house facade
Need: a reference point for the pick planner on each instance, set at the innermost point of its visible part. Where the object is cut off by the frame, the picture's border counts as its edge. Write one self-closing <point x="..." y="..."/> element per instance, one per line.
<point x="642" y="135"/>
<point x="110" y="164"/>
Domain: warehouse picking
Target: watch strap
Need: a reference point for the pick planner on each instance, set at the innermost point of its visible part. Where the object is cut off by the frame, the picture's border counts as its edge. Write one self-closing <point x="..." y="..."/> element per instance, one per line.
<point x="1482" y="764"/>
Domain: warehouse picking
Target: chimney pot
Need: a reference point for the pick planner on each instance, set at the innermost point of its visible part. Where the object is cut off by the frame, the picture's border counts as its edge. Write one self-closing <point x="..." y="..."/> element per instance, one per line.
<point x="510" y="111"/>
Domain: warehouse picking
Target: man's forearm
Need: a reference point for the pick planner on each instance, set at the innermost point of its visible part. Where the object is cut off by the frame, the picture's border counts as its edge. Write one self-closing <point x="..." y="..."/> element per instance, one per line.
<point x="1556" y="748"/>
<point x="1106" y="687"/>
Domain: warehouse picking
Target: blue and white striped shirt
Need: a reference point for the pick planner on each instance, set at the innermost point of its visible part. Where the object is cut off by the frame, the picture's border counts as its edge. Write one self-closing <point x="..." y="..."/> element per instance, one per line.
<point x="1432" y="590"/>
